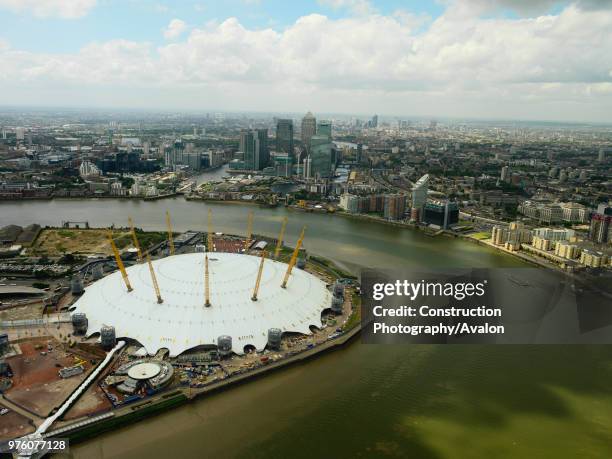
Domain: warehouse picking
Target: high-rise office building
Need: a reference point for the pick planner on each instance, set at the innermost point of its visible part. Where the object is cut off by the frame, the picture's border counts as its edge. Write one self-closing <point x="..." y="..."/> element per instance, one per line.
<point x="254" y="147"/>
<point x="324" y="127"/>
<point x="441" y="213"/>
<point x="284" y="136"/>
<point x="600" y="230"/>
<point x="320" y="157"/>
<point x="174" y="155"/>
<point x="374" y="121"/>
<point x="263" y="149"/>
<point x="309" y="128"/>
<point x="193" y="159"/>
<point x="419" y="197"/>
<point x="306" y="172"/>
<point x="283" y="166"/>
<point x="359" y="153"/>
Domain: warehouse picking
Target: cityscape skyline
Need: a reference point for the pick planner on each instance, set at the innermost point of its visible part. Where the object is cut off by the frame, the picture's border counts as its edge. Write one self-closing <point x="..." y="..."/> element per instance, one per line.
<point x="544" y="60"/>
<point x="130" y="114"/>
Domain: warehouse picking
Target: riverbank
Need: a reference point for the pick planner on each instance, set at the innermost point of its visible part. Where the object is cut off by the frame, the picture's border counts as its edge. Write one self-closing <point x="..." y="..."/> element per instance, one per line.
<point x="225" y="201"/>
<point x="516" y="254"/>
<point x="399" y="224"/>
<point x="87" y="427"/>
<point x="466" y="237"/>
<point x="96" y="197"/>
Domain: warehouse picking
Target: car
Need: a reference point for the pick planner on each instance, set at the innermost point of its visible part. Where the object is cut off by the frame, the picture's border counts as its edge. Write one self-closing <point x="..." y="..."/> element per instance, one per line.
<point x="4" y="411"/>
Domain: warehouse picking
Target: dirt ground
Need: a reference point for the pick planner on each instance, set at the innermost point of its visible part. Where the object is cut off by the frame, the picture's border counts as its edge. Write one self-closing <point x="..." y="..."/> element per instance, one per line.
<point x="92" y="401"/>
<point x="37" y="385"/>
<point x="228" y="245"/>
<point x="56" y="242"/>
<point x="29" y="311"/>
<point x="14" y="425"/>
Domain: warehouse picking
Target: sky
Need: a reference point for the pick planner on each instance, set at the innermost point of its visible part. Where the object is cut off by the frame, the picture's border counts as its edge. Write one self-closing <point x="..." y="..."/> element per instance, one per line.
<point x="498" y="59"/>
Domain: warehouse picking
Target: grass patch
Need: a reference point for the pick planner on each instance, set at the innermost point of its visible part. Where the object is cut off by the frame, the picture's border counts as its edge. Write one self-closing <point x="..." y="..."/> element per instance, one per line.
<point x="147" y="240"/>
<point x="331" y="267"/>
<point x="66" y="233"/>
<point x="355" y="316"/>
<point x="56" y="242"/>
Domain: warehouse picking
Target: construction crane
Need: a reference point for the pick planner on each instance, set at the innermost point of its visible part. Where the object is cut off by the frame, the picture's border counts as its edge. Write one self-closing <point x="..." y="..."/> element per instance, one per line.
<point x="135" y="239"/>
<point x="170" y="240"/>
<point x="209" y="243"/>
<point x="247" y="241"/>
<point x="206" y="282"/>
<point x="296" y="251"/>
<point x="119" y="262"/>
<point x="256" y="290"/>
<point x="281" y="235"/>
<point x="154" y="279"/>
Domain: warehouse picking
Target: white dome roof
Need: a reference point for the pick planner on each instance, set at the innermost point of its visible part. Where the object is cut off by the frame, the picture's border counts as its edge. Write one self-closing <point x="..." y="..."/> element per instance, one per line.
<point x="182" y="321"/>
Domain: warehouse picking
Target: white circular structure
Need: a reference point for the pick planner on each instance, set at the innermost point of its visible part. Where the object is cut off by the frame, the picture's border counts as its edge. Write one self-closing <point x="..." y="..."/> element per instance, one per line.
<point x="143" y="371"/>
<point x="182" y="321"/>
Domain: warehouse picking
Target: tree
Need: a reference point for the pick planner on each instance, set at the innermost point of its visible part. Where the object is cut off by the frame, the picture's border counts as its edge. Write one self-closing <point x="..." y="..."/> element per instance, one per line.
<point x="67" y="259"/>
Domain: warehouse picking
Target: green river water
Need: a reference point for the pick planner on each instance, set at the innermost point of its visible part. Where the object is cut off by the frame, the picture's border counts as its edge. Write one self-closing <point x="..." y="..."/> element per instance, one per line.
<point x="419" y="401"/>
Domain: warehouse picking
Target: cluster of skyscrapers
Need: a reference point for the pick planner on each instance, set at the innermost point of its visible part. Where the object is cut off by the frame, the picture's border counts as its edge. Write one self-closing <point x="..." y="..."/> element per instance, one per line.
<point x="313" y="159"/>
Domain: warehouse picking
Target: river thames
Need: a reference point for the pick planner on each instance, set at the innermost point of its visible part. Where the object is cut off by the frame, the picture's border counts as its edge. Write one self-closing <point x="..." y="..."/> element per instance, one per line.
<point x="425" y="401"/>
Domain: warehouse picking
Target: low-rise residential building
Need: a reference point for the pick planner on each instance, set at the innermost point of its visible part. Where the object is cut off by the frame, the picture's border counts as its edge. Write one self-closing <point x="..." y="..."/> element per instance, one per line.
<point x="593" y="258"/>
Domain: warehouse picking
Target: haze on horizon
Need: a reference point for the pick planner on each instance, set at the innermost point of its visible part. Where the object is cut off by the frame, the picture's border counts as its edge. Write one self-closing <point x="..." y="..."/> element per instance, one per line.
<point x="498" y="59"/>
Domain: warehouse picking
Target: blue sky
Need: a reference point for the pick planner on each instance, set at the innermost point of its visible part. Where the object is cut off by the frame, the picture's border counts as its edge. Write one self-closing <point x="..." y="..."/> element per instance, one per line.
<point x="143" y="20"/>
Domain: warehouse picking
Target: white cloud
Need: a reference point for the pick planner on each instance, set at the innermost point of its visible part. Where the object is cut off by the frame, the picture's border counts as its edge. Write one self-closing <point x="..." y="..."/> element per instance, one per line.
<point x="175" y="28"/>
<point x="66" y="9"/>
<point x="460" y="65"/>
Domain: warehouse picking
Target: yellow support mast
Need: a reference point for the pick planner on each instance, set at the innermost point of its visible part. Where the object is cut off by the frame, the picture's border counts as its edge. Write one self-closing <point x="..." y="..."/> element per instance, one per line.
<point x="120" y="264"/>
<point x="281" y="235"/>
<point x="256" y="290"/>
<point x="135" y="239"/>
<point x="247" y="241"/>
<point x="296" y="251"/>
<point x="209" y="243"/>
<point x="206" y="282"/>
<point x="170" y="240"/>
<point x="154" y="279"/>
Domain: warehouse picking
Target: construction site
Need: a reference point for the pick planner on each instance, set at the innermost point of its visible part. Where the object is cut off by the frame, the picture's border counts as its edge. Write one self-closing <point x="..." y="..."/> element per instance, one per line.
<point x="175" y="318"/>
